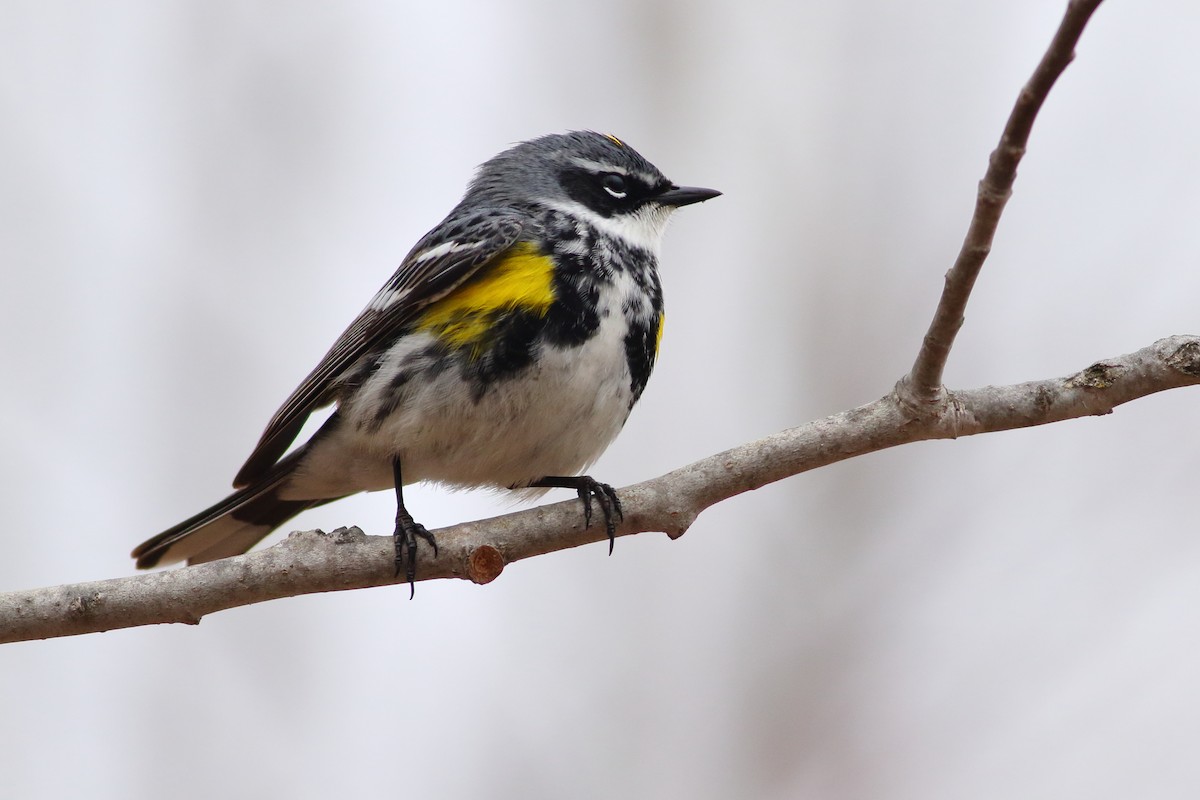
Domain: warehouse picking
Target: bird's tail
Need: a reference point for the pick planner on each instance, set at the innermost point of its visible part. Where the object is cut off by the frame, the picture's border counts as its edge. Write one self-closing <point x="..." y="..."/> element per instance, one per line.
<point x="229" y="528"/>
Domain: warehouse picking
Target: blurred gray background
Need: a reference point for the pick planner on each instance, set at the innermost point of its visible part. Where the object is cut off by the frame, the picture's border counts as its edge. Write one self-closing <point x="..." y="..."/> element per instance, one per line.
<point x="196" y="198"/>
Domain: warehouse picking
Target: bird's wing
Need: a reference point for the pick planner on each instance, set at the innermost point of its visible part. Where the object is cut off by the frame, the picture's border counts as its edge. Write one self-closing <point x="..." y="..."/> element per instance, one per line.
<point x="443" y="260"/>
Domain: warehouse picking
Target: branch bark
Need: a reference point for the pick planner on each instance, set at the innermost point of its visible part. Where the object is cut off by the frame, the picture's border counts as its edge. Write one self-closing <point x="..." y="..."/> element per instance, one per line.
<point x="923" y="384"/>
<point x="917" y="409"/>
<point x="311" y="561"/>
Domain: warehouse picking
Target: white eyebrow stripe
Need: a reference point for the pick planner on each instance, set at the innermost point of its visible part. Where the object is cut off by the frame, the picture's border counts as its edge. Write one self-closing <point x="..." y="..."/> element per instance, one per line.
<point x="597" y="166"/>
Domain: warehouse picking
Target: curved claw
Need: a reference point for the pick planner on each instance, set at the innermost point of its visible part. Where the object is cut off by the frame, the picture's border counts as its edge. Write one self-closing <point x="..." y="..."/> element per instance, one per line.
<point x="588" y="488"/>
<point x="405" y="537"/>
<point x="610" y="507"/>
<point x="405" y="540"/>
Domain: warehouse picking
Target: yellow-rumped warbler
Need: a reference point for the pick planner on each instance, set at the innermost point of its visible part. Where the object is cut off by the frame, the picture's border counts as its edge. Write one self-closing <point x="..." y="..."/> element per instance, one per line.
<point x="506" y="351"/>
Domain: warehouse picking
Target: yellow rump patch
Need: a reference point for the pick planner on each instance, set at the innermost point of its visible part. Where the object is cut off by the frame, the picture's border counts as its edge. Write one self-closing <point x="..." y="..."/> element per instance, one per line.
<point x="521" y="280"/>
<point x="662" y="320"/>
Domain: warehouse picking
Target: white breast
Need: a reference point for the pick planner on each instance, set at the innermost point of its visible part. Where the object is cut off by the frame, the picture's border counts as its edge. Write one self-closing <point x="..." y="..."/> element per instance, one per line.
<point x="555" y="418"/>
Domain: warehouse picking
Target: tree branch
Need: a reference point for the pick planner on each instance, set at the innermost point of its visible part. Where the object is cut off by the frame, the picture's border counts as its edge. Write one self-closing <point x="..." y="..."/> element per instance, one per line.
<point x="924" y="383"/>
<point x="311" y="562"/>
<point x="917" y="409"/>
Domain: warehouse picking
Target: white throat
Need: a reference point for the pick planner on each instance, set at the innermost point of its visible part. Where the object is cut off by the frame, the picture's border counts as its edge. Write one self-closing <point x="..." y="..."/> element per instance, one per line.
<point x="643" y="228"/>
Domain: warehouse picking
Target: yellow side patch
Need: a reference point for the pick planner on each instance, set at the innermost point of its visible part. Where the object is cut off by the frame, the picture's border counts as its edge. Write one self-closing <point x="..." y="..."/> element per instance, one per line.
<point x="662" y="320"/>
<point x="521" y="280"/>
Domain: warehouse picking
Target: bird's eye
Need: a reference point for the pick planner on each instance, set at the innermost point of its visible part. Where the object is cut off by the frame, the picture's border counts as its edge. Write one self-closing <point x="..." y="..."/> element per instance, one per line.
<point x="615" y="185"/>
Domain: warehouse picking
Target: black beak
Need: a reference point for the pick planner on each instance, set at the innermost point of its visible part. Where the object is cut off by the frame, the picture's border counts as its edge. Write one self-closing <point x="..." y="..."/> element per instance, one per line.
<point x="686" y="195"/>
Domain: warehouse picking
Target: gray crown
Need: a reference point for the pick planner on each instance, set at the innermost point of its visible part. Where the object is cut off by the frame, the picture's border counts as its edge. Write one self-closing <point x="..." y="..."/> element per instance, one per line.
<point x="532" y="171"/>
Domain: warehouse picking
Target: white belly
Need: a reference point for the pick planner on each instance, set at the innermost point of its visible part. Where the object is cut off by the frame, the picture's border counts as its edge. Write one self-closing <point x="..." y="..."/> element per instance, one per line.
<point x="554" y="418"/>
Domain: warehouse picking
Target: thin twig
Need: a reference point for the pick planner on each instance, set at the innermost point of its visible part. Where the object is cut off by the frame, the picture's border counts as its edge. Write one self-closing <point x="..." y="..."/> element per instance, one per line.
<point x="923" y="385"/>
<point x="917" y="410"/>
<point x="312" y="562"/>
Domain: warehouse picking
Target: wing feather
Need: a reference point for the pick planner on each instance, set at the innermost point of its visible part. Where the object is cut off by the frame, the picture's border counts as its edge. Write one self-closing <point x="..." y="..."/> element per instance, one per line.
<point x="439" y="263"/>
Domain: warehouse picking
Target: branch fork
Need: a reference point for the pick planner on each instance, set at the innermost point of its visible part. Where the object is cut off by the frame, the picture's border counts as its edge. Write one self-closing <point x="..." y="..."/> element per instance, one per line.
<point x="918" y="408"/>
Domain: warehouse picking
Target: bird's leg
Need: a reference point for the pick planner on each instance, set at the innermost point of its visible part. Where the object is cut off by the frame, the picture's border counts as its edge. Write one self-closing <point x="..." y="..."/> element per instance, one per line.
<point x="588" y="488"/>
<point x="405" y="537"/>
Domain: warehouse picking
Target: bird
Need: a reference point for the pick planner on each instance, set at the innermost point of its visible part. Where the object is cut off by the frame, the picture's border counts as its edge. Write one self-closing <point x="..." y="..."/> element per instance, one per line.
<point x="506" y="351"/>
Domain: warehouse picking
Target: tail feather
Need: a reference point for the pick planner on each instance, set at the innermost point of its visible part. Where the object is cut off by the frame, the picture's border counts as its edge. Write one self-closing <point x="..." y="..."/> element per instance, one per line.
<point x="229" y="528"/>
